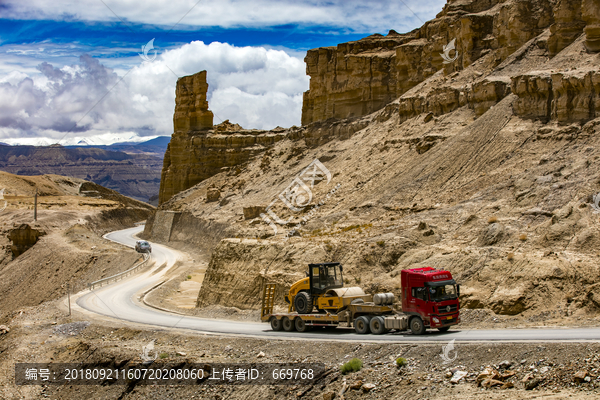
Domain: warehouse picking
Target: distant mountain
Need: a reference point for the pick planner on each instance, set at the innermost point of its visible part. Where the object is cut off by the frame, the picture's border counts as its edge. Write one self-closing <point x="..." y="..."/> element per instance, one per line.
<point x="105" y="139"/>
<point x="155" y="147"/>
<point x="131" y="169"/>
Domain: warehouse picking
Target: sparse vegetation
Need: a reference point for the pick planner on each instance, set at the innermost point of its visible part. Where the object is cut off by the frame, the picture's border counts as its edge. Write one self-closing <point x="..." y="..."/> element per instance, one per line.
<point x="188" y="277"/>
<point x="349" y="228"/>
<point x="380" y="243"/>
<point x="510" y="256"/>
<point x="523" y="237"/>
<point x="358" y="227"/>
<point x="401" y="361"/>
<point x="353" y="365"/>
<point x="492" y="219"/>
<point x="163" y="355"/>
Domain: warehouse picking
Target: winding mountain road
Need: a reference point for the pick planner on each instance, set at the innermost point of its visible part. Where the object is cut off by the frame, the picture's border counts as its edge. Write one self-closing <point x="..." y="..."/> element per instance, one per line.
<point x="121" y="300"/>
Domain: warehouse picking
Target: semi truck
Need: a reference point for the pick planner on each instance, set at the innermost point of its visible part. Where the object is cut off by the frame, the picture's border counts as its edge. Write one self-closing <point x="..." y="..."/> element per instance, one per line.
<point x="429" y="300"/>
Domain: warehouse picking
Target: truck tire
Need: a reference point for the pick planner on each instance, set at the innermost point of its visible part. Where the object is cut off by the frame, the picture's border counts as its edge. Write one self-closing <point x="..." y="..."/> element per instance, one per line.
<point x="377" y="325"/>
<point x="444" y="329"/>
<point x="303" y="303"/>
<point x="276" y="324"/>
<point x="416" y="326"/>
<point x="300" y="325"/>
<point x="288" y="325"/>
<point x="361" y="325"/>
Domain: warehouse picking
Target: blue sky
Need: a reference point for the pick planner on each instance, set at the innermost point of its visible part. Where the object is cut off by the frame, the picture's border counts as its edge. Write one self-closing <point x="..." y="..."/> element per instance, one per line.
<point x="58" y="58"/>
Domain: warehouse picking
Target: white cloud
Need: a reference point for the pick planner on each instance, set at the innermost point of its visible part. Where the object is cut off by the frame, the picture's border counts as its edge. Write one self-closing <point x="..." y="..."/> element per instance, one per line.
<point x="357" y="15"/>
<point x="253" y="86"/>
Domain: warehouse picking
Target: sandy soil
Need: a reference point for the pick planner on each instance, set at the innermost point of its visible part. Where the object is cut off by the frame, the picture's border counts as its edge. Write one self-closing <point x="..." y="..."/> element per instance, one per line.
<point x="40" y="334"/>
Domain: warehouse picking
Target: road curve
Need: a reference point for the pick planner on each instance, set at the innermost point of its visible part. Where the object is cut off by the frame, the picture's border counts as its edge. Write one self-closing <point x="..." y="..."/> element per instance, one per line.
<point x="120" y="300"/>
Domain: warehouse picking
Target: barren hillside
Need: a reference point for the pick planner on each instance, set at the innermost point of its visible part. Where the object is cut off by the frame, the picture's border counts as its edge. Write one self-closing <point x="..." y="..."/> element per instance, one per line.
<point x="40" y="260"/>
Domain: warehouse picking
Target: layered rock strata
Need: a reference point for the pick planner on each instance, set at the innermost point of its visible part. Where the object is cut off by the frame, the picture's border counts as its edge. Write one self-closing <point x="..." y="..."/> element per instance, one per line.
<point x="134" y="175"/>
<point x="358" y="78"/>
<point x="590" y="13"/>
<point x="353" y="80"/>
<point x="191" y="106"/>
<point x="564" y="97"/>
<point x="23" y="238"/>
<point x="197" y="151"/>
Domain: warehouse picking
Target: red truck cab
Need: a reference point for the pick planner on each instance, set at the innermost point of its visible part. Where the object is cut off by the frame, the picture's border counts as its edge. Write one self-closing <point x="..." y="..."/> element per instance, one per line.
<point x="430" y="299"/>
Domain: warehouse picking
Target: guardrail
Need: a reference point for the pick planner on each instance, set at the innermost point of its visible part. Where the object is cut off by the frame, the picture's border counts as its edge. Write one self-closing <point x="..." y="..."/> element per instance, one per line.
<point x="120" y="275"/>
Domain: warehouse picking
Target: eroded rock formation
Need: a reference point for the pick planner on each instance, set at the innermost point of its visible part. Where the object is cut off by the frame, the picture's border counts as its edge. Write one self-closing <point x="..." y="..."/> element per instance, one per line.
<point x="352" y="79"/>
<point x="395" y="72"/>
<point x="564" y="97"/>
<point x="197" y="151"/>
<point x="23" y="238"/>
<point x="590" y="13"/>
<point x="358" y="78"/>
<point x="191" y="106"/>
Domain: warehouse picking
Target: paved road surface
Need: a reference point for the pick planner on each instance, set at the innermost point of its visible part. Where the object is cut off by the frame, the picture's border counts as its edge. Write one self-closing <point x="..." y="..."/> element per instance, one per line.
<point x="121" y="300"/>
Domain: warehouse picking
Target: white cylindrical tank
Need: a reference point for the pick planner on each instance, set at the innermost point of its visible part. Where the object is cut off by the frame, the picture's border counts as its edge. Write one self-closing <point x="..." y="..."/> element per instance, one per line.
<point x="382" y="299"/>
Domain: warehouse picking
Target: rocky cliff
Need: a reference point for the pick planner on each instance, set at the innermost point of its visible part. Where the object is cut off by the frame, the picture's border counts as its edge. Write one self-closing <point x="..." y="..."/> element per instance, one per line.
<point x="197" y="151"/>
<point x="358" y="78"/>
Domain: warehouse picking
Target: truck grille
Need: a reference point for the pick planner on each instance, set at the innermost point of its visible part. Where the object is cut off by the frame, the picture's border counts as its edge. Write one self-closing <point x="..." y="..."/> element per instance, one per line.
<point x="448" y="321"/>
<point x="446" y="310"/>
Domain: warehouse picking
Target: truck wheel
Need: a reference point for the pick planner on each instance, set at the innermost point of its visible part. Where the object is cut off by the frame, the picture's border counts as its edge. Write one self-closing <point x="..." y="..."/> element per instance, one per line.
<point x="361" y="325"/>
<point x="416" y="326"/>
<point x="301" y="325"/>
<point x="287" y="324"/>
<point x="303" y="303"/>
<point x="377" y="325"/>
<point x="444" y="329"/>
<point x="276" y="324"/>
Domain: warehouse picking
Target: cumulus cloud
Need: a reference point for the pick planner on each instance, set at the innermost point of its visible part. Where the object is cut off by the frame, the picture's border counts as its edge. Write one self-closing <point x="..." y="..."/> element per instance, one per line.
<point x="356" y="15"/>
<point x="253" y="86"/>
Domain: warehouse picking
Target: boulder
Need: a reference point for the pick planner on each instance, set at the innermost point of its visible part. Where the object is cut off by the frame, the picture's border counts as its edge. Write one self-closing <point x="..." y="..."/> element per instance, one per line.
<point x="367" y="387"/>
<point x="253" y="211"/>
<point x="328" y="395"/>
<point x="212" y="194"/>
<point x="23" y="238"/>
<point x="580" y="376"/>
<point x="458" y="375"/>
<point x="532" y="384"/>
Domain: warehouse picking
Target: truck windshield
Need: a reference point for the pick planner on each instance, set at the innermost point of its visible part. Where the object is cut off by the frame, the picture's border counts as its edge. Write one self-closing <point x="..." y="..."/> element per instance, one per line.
<point x="442" y="293"/>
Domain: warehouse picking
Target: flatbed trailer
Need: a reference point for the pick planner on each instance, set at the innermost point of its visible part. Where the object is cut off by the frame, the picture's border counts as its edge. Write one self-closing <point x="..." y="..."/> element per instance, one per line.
<point x="363" y="317"/>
